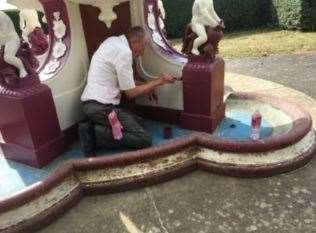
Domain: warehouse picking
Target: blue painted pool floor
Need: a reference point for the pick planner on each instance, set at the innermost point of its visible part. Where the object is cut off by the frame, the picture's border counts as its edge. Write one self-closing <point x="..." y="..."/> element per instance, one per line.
<point x="15" y="176"/>
<point x="237" y="126"/>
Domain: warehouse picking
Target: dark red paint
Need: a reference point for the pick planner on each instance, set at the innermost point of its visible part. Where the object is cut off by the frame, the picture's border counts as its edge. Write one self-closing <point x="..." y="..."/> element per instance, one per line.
<point x="28" y="122"/>
<point x="29" y="125"/>
<point x="203" y="91"/>
<point x="96" y="31"/>
<point x="167" y="133"/>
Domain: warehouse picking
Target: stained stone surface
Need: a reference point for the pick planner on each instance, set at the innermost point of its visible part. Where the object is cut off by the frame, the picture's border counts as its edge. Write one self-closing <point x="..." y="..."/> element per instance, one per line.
<point x="16" y="176"/>
<point x="202" y="202"/>
<point x="31" y="209"/>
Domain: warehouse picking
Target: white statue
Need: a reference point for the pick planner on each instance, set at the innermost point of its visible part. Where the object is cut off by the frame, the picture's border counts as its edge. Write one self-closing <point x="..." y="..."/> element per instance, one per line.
<point x="28" y="22"/>
<point x="11" y="42"/>
<point x="203" y="14"/>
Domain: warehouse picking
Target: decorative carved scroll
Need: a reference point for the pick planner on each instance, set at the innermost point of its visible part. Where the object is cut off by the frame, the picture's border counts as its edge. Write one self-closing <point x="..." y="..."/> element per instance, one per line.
<point x="107" y="15"/>
<point x="60" y="47"/>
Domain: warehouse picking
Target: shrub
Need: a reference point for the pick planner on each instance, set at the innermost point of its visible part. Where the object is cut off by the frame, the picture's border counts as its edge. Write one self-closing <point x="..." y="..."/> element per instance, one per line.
<point x="246" y="14"/>
<point x="242" y="14"/>
<point x="237" y="14"/>
<point x="294" y="14"/>
<point x="179" y="13"/>
<point x="14" y="16"/>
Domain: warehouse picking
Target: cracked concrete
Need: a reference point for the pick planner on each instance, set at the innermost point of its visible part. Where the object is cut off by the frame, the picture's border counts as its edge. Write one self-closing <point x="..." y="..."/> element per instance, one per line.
<point x="162" y="225"/>
<point x="202" y="202"/>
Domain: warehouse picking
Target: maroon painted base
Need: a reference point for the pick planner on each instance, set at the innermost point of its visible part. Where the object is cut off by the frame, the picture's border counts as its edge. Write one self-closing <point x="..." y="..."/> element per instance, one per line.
<point x="203" y="91"/>
<point x="206" y="123"/>
<point x="29" y="125"/>
<point x="35" y="157"/>
<point x="171" y="116"/>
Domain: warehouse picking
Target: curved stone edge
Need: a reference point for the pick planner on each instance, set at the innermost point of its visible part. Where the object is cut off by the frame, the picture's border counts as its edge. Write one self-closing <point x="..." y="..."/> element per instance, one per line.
<point x="110" y="179"/>
<point x="36" y="190"/>
<point x="257" y="171"/>
<point x="190" y="143"/>
<point x="302" y="124"/>
<point x="46" y="217"/>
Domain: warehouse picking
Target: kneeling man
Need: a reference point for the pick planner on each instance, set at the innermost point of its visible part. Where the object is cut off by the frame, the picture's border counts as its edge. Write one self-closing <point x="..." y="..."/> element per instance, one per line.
<point x="110" y="75"/>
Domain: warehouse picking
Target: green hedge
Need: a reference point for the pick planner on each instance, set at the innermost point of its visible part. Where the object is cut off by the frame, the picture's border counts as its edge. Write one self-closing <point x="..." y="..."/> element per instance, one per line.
<point x="241" y="14"/>
<point x="246" y="14"/>
<point x="14" y="16"/>
<point x="238" y="14"/>
<point x="294" y="14"/>
<point x="179" y="13"/>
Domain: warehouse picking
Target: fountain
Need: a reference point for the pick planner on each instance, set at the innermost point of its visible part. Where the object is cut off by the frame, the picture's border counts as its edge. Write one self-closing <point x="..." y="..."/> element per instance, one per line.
<point x="208" y="122"/>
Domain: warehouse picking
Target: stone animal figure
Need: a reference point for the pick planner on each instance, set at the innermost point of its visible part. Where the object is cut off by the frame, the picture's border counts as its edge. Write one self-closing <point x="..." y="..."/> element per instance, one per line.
<point x="32" y="31"/>
<point x="11" y="42"/>
<point x="205" y="29"/>
<point x="17" y="60"/>
<point x="9" y="74"/>
<point x="210" y="48"/>
<point x="28" y="22"/>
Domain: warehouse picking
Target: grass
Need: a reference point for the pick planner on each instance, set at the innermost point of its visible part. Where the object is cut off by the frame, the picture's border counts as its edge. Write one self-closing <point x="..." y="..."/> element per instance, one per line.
<point x="257" y="43"/>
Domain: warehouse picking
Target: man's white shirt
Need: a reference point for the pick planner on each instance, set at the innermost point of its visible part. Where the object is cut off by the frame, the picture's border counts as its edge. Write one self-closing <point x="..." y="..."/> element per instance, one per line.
<point x="111" y="71"/>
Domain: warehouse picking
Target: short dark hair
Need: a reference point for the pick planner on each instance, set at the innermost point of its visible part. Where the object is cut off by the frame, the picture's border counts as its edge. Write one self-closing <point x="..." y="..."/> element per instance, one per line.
<point x="136" y="33"/>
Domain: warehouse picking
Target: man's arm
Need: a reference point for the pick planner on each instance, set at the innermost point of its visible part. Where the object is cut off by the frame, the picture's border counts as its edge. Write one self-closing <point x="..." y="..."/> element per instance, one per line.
<point x="147" y="88"/>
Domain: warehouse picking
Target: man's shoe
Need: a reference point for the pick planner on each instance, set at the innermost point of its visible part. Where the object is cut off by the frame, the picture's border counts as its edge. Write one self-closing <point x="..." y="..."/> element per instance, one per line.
<point x="87" y="139"/>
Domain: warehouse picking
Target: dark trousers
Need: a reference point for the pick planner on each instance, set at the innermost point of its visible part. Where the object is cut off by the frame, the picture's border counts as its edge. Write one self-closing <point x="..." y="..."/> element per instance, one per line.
<point x="134" y="136"/>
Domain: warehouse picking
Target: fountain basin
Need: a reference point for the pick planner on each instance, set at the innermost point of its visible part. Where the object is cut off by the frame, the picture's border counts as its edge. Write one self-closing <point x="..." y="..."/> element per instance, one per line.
<point x="289" y="145"/>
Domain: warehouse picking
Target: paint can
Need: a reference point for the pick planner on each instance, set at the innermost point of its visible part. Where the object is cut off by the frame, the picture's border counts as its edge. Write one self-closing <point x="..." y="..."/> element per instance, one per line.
<point x="167" y="132"/>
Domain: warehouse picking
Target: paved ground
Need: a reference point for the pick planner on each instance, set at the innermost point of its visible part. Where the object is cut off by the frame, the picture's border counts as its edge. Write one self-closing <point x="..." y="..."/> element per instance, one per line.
<point x="202" y="202"/>
<point x="295" y="71"/>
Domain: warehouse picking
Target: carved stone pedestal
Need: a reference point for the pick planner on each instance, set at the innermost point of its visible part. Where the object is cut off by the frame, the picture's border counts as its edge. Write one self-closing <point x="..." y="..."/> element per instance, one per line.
<point x="29" y="128"/>
<point x="203" y="90"/>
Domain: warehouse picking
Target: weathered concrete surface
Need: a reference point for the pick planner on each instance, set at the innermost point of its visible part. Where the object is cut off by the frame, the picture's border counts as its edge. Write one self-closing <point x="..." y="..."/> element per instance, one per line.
<point x="202" y="202"/>
<point x="297" y="71"/>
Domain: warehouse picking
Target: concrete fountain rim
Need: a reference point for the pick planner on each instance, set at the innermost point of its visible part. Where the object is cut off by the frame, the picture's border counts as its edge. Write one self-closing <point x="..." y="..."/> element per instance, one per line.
<point x="301" y="127"/>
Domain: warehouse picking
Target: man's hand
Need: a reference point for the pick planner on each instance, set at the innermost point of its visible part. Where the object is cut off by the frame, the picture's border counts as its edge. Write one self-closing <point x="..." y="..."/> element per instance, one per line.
<point x="150" y="86"/>
<point x="166" y="78"/>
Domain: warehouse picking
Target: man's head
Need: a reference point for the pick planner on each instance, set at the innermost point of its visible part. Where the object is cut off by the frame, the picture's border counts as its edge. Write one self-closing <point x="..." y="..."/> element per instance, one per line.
<point x="137" y="40"/>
